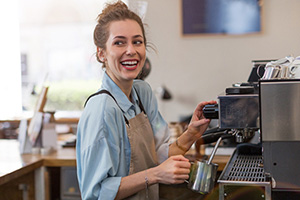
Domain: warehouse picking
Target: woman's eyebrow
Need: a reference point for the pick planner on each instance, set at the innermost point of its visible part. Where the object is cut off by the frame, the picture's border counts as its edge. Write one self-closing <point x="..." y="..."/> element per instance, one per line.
<point x="137" y="36"/>
<point x="123" y="37"/>
<point x="119" y="37"/>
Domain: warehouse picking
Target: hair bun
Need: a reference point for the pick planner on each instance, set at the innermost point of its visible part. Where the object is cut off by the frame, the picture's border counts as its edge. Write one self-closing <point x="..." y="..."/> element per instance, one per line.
<point x="110" y="8"/>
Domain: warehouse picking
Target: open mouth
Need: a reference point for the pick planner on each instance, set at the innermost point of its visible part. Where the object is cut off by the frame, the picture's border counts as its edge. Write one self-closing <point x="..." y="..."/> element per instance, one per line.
<point x="130" y="65"/>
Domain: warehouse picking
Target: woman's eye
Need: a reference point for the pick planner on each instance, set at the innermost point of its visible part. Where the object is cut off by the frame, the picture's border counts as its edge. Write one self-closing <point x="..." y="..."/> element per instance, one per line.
<point x="138" y="42"/>
<point x="119" y="43"/>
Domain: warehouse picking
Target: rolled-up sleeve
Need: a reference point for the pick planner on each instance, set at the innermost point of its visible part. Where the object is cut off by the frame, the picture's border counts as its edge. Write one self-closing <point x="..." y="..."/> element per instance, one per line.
<point x="99" y="166"/>
<point x="162" y="137"/>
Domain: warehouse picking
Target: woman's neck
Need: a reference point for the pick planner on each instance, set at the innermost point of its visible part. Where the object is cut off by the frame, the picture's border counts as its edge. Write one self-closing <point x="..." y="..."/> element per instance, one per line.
<point x="126" y="88"/>
<point x="124" y="85"/>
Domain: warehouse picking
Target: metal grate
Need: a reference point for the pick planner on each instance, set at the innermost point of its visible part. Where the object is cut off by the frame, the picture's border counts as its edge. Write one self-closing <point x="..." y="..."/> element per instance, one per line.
<point x="247" y="168"/>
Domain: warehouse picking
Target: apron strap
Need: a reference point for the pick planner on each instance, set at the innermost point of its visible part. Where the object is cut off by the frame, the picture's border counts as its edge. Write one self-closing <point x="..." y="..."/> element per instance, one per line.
<point x="106" y="92"/>
<point x="140" y="102"/>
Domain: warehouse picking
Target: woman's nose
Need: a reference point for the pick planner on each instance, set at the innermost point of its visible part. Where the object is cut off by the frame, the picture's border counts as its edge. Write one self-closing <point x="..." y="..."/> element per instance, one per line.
<point x="130" y="50"/>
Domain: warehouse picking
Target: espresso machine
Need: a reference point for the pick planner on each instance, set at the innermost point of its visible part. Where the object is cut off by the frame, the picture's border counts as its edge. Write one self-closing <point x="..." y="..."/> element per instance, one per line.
<point x="269" y="167"/>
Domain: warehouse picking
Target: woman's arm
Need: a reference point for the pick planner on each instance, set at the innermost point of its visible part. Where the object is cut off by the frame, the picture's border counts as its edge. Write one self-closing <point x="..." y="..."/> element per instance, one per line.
<point x="174" y="170"/>
<point x="100" y="161"/>
<point x="196" y="128"/>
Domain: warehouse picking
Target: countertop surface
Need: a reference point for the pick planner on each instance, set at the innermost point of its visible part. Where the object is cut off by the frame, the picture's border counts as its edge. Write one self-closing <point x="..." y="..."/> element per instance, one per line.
<point x="13" y="164"/>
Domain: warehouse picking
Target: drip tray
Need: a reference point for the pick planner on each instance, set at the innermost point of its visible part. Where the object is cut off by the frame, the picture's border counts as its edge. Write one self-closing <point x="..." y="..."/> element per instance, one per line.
<point x="244" y="176"/>
<point x="246" y="168"/>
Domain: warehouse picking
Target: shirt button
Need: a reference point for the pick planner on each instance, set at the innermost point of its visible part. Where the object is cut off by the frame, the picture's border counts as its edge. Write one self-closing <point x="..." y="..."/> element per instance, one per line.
<point x="131" y="112"/>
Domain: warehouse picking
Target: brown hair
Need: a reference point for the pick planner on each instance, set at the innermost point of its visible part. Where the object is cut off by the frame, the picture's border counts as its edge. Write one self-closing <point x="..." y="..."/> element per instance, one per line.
<point x="113" y="12"/>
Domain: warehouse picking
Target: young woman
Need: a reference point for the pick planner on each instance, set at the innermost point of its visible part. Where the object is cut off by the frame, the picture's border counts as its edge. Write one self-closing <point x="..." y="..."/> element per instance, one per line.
<point x="123" y="148"/>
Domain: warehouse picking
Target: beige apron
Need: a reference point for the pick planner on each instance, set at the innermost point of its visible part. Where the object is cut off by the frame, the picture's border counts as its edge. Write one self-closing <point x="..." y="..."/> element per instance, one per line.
<point x="143" y="154"/>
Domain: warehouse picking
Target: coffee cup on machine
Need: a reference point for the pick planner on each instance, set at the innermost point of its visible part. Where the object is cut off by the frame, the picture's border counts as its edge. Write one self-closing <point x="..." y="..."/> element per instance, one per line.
<point x="295" y="71"/>
<point x="284" y="72"/>
<point x="271" y="72"/>
<point x="295" y="68"/>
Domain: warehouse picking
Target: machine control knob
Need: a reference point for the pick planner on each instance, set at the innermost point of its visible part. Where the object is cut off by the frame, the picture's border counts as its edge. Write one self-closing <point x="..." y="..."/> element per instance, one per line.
<point x="211" y="111"/>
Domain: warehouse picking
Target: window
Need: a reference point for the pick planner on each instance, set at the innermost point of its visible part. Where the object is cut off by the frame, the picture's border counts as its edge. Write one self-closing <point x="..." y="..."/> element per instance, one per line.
<point x="10" y="74"/>
<point x="55" y="49"/>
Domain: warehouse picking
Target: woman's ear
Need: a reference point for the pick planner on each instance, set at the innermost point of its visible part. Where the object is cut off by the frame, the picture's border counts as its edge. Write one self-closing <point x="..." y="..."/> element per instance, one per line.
<point x="101" y="54"/>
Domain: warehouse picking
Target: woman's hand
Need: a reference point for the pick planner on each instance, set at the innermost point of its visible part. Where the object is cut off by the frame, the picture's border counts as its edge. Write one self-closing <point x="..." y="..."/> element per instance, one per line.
<point x="196" y="128"/>
<point x="199" y="123"/>
<point x="174" y="170"/>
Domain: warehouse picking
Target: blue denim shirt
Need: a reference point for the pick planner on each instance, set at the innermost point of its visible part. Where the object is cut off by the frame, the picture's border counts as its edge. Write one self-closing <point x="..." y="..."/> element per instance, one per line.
<point x="102" y="147"/>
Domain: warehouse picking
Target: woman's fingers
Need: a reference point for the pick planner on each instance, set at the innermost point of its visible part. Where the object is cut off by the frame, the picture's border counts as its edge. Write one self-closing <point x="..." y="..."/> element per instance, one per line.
<point x="182" y="171"/>
<point x="198" y="113"/>
<point x="174" y="170"/>
<point x="201" y="105"/>
<point x="200" y="122"/>
<point x="179" y="158"/>
<point x="180" y="179"/>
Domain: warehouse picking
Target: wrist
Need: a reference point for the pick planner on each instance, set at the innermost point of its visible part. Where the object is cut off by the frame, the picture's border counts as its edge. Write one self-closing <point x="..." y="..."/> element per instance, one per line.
<point x="146" y="184"/>
<point x="191" y="135"/>
<point x="181" y="147"/>
<point x="152" y="176"/>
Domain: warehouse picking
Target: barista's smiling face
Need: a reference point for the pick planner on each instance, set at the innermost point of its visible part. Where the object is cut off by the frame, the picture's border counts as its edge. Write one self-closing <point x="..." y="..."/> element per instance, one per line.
<point x="125" y="51"/>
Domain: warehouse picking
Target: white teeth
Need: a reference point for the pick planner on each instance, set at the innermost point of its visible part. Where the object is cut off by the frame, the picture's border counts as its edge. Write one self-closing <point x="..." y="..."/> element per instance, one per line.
<point x="129" y="63"/>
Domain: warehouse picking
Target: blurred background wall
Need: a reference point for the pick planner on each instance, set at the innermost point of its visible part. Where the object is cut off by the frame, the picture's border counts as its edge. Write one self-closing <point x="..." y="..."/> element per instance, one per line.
<point x="198" y="68"/>
<point x="57" y="43"/>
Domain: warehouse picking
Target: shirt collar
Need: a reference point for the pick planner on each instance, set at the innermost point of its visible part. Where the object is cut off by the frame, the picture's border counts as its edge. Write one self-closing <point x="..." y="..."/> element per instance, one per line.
<point x="121" y="98"/>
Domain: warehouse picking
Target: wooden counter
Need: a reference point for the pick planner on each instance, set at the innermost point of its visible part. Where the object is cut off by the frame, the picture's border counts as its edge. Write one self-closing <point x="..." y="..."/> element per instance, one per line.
<point x="29" y="169"/>
<point x="14" y="165"/>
